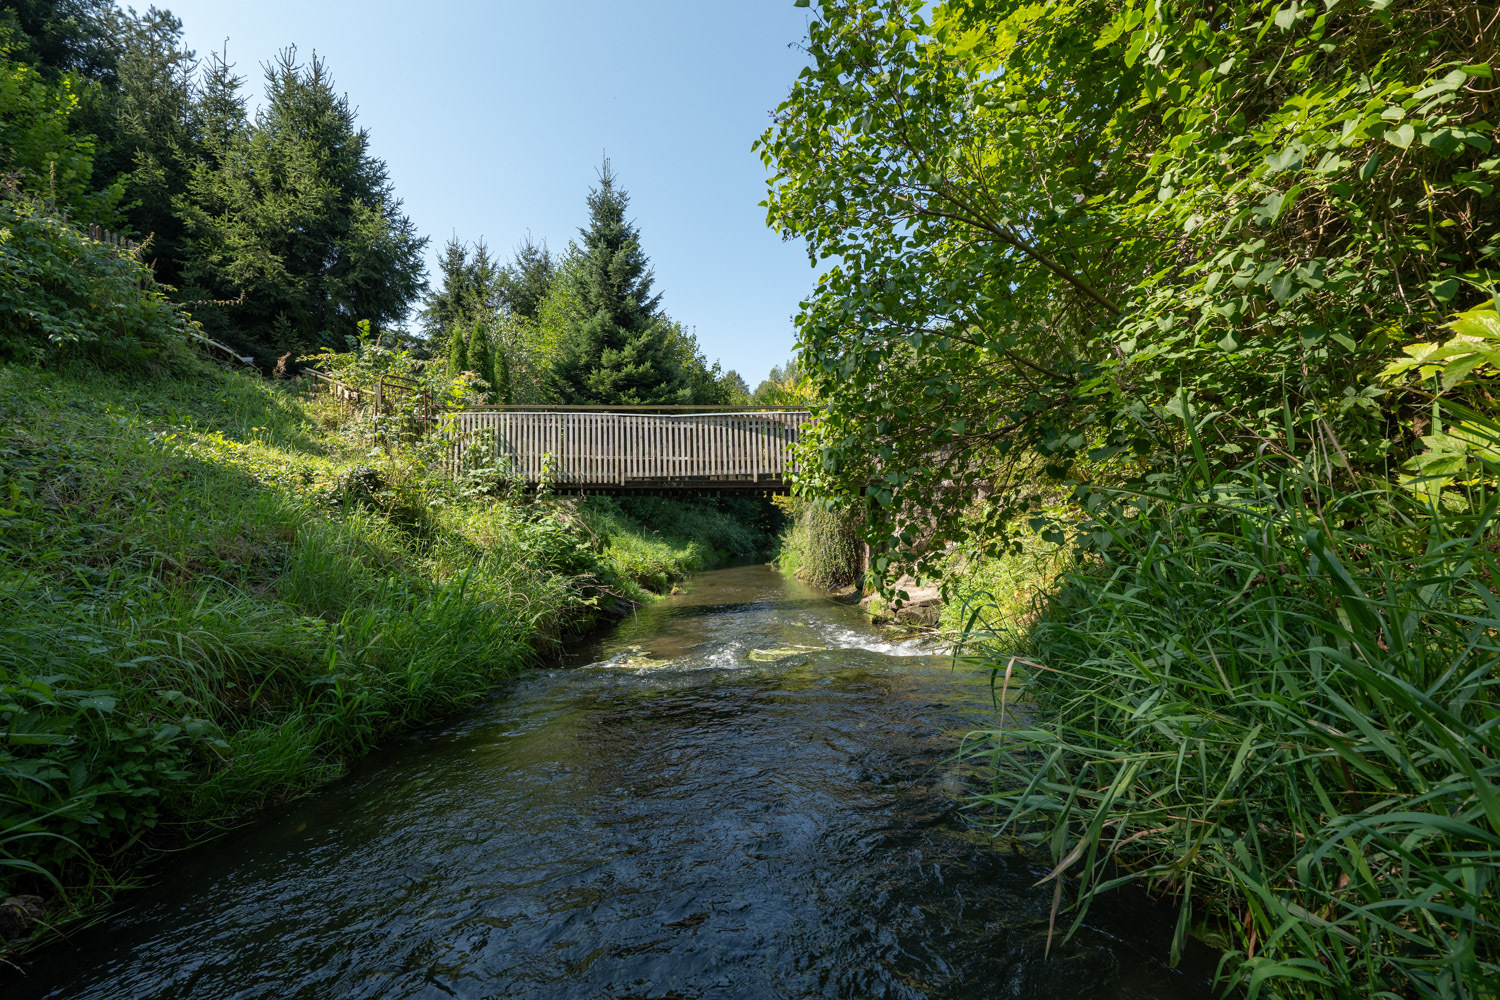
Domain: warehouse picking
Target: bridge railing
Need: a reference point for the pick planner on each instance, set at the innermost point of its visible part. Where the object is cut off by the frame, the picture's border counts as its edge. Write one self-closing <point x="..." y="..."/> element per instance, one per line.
<point x="603" y="447"/>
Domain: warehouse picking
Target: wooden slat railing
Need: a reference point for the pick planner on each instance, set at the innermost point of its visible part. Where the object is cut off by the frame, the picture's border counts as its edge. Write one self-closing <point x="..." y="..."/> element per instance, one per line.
<point x="626" y="448"/>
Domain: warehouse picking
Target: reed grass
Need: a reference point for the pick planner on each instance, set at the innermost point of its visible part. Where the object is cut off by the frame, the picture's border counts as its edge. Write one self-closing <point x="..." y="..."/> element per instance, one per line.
<point x="1274" y="702"/>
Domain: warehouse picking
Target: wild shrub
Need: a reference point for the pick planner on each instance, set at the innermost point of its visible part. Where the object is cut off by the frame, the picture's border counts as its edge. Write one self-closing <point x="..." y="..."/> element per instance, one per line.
<point x="65" y="296"/>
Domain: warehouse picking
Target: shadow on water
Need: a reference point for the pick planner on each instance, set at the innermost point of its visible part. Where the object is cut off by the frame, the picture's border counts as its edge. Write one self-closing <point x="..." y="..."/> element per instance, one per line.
<point x="744" y="791"/>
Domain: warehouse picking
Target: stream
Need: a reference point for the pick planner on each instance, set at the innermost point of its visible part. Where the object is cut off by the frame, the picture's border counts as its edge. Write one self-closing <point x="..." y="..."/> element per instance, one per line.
<point x="743" y="791"/>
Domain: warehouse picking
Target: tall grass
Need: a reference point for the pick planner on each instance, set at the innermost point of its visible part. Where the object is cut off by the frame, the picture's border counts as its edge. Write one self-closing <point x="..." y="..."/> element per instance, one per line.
<point x="210" y="598"/>
<point x="821" y="545"/>
<point x="1275" y="702"/>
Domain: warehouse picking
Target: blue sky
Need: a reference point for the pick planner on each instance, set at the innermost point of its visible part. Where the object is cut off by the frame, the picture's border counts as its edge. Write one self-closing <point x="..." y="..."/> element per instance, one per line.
<point x="493" y="116"/>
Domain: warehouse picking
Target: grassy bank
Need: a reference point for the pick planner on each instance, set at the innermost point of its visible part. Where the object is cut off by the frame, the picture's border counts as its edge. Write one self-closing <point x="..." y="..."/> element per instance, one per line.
<point x="1273" y="701"/>
<point x="214" y="593"/>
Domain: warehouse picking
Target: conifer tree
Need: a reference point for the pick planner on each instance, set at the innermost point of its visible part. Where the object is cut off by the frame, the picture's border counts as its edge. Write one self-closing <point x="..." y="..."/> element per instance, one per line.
<point x="301" y="219"/>
<point x="446" y="305"/>
<point x="615" y="348"/>
<point x="525" y="281"/>
<point x="481" y="358"/>
<point x="458" y="351"/>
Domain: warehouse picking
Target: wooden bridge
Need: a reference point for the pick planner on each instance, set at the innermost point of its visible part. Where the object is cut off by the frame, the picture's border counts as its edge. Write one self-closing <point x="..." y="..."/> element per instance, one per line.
<point x="634" y="448"/>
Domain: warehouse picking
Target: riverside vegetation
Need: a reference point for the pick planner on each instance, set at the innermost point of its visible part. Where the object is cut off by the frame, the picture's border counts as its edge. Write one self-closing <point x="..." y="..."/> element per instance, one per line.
<point x="214" y="595"/>
<point x="1203" y="294"/>
<point x="214" y="590"/>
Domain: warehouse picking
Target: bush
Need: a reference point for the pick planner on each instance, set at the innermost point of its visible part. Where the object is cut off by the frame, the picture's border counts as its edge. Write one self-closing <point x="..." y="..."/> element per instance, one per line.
<point x="63" y="295"/>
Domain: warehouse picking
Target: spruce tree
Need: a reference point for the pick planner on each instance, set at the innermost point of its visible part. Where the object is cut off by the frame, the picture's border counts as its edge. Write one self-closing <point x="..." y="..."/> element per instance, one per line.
<point x="301" y="219"/>
<point x="525" y="281"/>
<point x="615" y="348"/>
<point x="446" y="306"/>
<point x="458" y="351"/>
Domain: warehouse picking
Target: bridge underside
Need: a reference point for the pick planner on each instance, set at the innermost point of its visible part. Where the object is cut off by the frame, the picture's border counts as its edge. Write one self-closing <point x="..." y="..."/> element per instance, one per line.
<point x="676" y="488"/>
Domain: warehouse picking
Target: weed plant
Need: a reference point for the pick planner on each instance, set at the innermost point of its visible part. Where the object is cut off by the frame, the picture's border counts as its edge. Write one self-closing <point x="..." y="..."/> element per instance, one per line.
<point x="214" y="593"/>
<point x="1275" y="702"/>
<point x="821" y="545"/>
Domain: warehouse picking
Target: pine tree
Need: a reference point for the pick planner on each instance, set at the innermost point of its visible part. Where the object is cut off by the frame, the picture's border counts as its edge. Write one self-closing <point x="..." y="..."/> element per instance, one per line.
<point x="615" y="348"/>
<point x="458" y="351"/>
<point x="481" y="358"/>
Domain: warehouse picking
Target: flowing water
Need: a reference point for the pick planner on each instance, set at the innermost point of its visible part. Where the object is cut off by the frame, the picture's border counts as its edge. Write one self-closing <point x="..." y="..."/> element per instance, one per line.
<point x="744" y="791"/>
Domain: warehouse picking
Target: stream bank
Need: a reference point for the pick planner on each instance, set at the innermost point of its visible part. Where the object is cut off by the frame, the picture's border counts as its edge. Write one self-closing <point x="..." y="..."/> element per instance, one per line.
<point x="742" y="791"/>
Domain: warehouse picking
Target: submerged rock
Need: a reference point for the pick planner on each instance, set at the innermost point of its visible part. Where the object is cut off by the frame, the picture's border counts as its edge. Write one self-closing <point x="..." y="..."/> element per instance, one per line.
<point x="780" y="653"/>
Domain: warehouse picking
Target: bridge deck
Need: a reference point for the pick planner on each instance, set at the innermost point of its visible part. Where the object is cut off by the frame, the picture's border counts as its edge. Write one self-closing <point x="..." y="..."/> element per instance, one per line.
<point x="640" y="448"/>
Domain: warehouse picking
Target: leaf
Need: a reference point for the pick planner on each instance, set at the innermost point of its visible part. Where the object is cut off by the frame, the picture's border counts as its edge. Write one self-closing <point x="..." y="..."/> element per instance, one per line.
<point x="1401" y="137"/>
<point x="1281" y="287"/>
<point x="1444" y="290"/>
<point x="1443" y="141"/>
<point x="1477" y="69"/>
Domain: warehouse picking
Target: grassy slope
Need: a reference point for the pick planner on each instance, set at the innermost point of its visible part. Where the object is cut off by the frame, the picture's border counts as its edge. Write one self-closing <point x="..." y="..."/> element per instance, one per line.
<point x="209" y="597"/>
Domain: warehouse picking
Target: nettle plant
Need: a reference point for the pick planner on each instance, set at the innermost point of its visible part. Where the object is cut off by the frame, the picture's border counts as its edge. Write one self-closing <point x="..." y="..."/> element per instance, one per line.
<point x="1048" y="227"/>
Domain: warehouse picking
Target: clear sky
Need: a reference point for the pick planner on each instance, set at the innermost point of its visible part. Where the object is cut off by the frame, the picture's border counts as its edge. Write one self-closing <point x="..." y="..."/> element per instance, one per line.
<point x="493" y="116"/>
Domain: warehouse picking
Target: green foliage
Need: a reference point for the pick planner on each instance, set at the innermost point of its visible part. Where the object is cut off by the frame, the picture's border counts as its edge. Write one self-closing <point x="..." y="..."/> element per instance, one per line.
<point x="298" y="222"/>
<point x="40" y="147"/>
<point x="822" y="543"/>
<point x="1274" y="701"/>
<point x="526" y="280"/>
<point x="63" y="295"/>
<point x="994" y="597"/>
<point x="145" y="126"/>
<point x="616" y="347"/>
<point x="1048" y="225"/>
<point x="62" y="36"/>
<point x="783" y="386"/>
<point x="458" y="351"/>
<point x="481" y="358"/>
<point x="1461" y="369"/>
<point x="212" y="595"/>
<point x="475" y="294"/>
<point x="1083" y="260"/>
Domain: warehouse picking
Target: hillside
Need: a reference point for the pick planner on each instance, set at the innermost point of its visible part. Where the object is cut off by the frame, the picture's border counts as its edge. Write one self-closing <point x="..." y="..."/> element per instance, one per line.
<point x="215" y="593"/>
